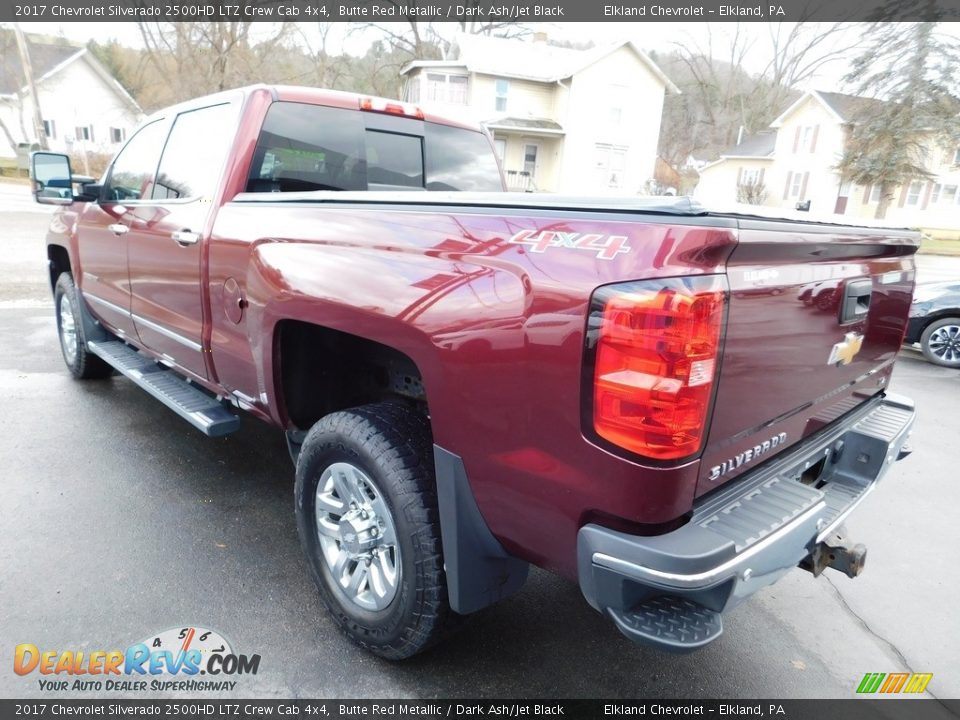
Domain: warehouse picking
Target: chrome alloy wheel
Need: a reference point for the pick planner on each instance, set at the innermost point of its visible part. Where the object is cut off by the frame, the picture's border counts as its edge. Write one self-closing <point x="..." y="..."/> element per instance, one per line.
<point x="358" y="536"/>
<point x="68" y="330"/>
<point x="944" y="342"/>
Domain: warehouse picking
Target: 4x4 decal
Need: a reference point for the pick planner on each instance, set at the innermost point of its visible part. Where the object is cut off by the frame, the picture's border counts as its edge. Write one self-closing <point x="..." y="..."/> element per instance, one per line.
<point x="605" y="247"/>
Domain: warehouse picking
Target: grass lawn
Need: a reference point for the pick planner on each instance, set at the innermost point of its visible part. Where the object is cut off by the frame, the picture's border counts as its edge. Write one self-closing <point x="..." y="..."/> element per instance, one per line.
<point x="939" y="246"/>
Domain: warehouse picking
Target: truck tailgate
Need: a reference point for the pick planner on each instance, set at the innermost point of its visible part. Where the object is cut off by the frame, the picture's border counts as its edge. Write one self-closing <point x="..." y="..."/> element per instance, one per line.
<point x="815" y="319"/>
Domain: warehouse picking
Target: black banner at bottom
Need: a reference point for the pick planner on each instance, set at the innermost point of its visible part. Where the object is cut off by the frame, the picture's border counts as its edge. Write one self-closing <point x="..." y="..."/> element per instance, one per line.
<point x="867" y="709"/>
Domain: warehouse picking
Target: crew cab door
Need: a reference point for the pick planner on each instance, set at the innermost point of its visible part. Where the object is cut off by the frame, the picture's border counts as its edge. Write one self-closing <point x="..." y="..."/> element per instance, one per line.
<point x="166" y="241"/>
<point x="103" y="228"/>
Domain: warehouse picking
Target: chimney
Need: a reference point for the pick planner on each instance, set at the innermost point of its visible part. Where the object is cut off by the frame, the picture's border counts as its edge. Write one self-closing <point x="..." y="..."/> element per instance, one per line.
<point x="540" y="37"/>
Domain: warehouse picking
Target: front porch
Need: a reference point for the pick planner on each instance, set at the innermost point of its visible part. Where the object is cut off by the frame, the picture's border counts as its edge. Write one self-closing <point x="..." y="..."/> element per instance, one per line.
<point x="530" y="151"/>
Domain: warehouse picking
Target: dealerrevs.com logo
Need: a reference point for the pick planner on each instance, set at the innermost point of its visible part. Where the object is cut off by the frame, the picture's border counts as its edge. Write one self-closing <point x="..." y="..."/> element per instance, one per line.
<point x="171" y="661"/>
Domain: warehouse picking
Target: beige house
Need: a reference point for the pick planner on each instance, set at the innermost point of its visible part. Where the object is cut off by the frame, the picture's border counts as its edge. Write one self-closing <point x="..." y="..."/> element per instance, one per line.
<point x="84" y="108"/>
<point x="564" y="120"/>
<point x="808" y="142"/>
<point x="745" y="164"/>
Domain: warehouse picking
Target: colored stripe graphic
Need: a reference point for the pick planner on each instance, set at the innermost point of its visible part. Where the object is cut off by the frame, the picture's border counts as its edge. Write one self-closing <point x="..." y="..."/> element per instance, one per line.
<point x="894" y="683"/>
<point x="918" y="683"/>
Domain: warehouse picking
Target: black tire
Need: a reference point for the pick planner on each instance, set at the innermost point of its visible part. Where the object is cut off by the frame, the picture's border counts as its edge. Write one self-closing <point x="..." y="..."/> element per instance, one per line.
<point x="392" y="445"/>
<point x="83" y="364"/>
<point x="944" y="349"/>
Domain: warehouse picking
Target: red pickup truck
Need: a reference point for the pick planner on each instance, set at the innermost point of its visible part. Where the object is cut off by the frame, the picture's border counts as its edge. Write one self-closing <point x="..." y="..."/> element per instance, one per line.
<point x="632" y="393"/>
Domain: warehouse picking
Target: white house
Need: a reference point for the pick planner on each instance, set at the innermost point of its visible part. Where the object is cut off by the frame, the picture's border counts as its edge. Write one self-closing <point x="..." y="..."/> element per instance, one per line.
<point x="564" y="120"/>
<point x="83" y="107"/>
<point x="797" y="163"/>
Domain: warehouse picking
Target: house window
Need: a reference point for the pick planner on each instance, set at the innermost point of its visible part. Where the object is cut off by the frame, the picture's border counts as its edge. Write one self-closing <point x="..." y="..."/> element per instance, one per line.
<point x="84" y="132"/>
<point x="935" y="195"/>
<point x="749" y="176"/>
<point x="501" y="147"/>
<point x="875" y="193"/>
<point x="610" y="160"/>
<point x="447" y="88"/>
<point x="913" y="192"/>
<point x="616" y="115"/>
<point x="50" y="129"/>
<point x="117" y="135"/>
<point x="796" y="184"/>
<point x="502" y="88"/>
<point x="956" y="156"/>
<point x="949" y="194"/>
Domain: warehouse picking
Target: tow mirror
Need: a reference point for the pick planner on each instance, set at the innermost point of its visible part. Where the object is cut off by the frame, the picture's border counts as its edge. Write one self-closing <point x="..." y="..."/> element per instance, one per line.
<point x="52" y="179"/>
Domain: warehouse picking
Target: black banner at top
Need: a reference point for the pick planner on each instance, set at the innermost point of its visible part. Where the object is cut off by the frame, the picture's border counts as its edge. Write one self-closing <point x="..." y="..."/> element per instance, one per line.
<point x="480" y="10"/>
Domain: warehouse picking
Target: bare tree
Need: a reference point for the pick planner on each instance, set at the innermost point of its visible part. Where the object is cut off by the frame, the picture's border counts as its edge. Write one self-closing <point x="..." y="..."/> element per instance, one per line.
<point x="720" y="97"/>
<point x="201" y="57"/>
<point x="752" y="193"/>
<point x="435" y="40"/>
<point x="7" y="135"/>
<point x="31" y="83"/>
<point x="799" y="51"/>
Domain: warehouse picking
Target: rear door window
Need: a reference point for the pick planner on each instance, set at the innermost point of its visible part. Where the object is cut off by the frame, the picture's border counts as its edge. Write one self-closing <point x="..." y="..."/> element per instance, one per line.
<point x="311" y="147"/>
<point x="195" y="153"/>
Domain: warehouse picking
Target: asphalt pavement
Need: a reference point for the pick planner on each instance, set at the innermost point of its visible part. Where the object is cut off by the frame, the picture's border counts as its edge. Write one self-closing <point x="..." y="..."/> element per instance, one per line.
<point x="119" y="521"/>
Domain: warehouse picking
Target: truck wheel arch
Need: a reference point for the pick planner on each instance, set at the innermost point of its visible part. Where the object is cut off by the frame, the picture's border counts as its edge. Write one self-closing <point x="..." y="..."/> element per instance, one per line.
<point x="58" y="258"/>
<point x="479" y="570"/>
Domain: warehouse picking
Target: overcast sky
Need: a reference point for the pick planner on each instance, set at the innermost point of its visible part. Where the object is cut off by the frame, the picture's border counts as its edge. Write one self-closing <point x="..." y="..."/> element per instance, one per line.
<point x="660" y="36"/>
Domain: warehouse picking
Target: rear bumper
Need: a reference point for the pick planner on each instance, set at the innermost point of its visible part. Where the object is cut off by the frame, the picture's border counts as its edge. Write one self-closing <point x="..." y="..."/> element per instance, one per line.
<point x="668" y="590"/>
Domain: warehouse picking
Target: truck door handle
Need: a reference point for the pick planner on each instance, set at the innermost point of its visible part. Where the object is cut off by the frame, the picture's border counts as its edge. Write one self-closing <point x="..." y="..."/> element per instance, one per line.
<point x="118" y="229"/>
<point x="185" y="237"/>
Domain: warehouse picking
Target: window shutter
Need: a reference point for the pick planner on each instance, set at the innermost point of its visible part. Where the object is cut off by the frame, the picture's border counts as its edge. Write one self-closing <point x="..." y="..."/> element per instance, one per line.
<point x="803" y="186"/>
<point x="926" y="195"/>
<point x="91" y="134"/>
<point x="760" y="179"/>
<point x="866" y="193"/>
<point x="739" y="176"/>
<point x="813" y="140"/>
<point x="786" y="188"/>
<point x="796" y="140"/>
<point x="905" y="188"/>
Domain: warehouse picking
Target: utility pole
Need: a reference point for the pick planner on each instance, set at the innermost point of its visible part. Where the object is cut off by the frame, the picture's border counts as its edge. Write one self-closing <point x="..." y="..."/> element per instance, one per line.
<point x="32" y="85"/>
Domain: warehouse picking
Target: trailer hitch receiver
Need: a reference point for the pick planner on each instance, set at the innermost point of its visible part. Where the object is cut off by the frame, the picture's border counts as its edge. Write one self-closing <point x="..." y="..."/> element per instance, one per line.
<point x="837" y="552"/>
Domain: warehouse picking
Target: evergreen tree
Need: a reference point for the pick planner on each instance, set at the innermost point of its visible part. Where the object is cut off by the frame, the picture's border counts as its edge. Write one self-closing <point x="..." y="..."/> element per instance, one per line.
<point x="912" y="69"/>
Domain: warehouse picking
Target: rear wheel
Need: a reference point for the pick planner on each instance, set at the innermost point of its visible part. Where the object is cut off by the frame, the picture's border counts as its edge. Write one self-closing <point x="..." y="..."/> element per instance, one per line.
<point x="367" y="516"/>
<point x="82" y="364"/>
<point x="940" y="342"/>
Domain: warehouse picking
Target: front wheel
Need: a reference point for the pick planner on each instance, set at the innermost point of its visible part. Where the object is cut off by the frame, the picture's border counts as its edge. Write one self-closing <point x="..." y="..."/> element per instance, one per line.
<point x="82" y="364"/>
<point x="367" y="517"/>
<point x="940" y="342"/>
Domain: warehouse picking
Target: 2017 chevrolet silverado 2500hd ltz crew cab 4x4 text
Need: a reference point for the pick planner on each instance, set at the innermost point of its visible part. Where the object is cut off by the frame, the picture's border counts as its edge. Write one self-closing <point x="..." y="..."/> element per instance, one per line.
<point x="629" y="392"/>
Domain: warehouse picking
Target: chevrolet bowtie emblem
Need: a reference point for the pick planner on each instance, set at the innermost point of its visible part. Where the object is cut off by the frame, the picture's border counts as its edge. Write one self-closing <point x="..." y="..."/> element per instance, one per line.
<point x="845" y="350"/>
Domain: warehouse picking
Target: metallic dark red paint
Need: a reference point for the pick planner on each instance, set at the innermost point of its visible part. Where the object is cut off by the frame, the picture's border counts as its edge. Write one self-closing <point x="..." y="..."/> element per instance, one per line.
<point x="497" y="331"/>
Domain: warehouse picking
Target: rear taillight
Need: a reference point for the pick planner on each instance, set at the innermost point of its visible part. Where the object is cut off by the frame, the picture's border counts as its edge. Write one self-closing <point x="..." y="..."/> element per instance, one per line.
<point x="654" y="348"/>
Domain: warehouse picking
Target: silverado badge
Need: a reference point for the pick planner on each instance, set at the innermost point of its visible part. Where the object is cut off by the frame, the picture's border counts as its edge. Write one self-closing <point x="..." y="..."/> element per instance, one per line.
<point x="845" y="350"/>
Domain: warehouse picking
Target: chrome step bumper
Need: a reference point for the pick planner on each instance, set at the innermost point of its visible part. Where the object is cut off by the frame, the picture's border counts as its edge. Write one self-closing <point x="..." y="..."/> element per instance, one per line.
<point x="749" y="533"/>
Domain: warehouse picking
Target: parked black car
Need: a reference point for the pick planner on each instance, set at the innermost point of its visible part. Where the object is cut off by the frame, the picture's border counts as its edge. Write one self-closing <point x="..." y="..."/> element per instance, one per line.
<point x="935" y="322"/>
